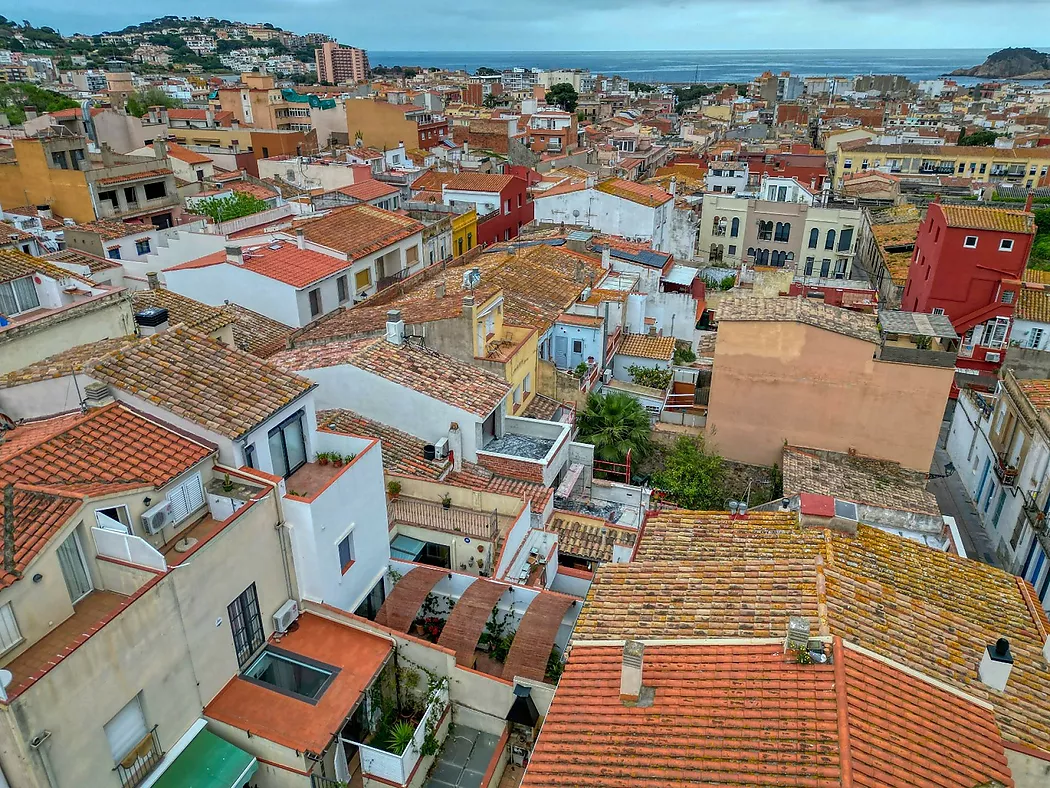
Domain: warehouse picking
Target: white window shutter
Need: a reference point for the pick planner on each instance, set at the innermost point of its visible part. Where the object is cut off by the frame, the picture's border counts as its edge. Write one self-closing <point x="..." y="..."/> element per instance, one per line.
<point x="9" y="632"/>
<point x="185" y="499"/>
<point x="126" y="729"/>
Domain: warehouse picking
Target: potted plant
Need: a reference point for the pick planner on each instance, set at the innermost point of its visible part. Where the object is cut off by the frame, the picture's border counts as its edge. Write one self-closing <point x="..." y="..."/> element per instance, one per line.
<point x="338" y="460"/>
<point x="400" y="737"/>
<point x="446" y="501"/>
<point x="227" y="483"/>
<point x="393" y="488"/>
<point x="323" y="457"/>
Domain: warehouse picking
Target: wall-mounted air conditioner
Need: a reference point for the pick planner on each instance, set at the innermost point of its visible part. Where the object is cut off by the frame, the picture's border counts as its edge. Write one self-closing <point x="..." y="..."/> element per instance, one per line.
<point x="993" y="358"/>
<point x="156" y="517"/>
<point x="285" y="616"/>
<point x="441" y="449"/>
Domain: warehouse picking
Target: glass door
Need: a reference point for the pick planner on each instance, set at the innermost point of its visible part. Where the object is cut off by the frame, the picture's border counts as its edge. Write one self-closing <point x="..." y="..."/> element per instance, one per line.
<point x="74" y="568"/>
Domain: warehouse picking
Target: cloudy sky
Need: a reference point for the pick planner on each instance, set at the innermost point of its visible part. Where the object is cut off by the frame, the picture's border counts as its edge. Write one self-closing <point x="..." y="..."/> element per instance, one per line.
<point x="491" y="25"/>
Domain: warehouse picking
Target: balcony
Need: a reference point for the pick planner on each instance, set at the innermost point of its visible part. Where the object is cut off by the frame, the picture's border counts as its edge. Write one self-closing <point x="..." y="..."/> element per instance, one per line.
<point x="453" y="520"/>
<point x="142" y="760"/>
<point x="1004" y="471"/>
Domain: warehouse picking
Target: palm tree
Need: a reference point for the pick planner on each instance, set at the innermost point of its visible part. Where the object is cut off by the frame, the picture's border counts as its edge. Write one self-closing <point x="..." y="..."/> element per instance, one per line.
<point x="614" y="423"/>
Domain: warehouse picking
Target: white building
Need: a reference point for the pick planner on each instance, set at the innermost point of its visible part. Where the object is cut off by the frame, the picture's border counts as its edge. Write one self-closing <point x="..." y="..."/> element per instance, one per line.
<point x="614" y="207"/>
<point x="726" y="177"/>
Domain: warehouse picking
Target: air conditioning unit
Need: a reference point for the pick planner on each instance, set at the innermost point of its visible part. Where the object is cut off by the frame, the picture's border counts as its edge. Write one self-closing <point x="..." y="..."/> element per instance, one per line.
<point x="441" y="449"/>
<point x="993" y="358"/>
<point x="156" y="517"/>
<point x="286" y="616"/>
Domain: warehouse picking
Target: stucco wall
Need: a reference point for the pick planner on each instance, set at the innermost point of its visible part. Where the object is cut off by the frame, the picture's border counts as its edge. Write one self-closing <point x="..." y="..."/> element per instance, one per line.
<point x="777" y="382"/>
<point x="1028" y="772"/>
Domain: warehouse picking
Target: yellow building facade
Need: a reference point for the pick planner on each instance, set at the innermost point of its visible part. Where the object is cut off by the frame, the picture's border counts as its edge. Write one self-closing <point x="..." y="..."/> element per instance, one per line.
<point x="464" y="232"/>
<point x="29" y="180"/>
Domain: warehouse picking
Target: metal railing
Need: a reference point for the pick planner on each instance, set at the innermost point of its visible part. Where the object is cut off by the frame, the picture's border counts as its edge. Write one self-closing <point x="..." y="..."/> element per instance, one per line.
<point x="316" y="781"/>
<point x="1004" y="471"/>
<point x="142" y="759"/>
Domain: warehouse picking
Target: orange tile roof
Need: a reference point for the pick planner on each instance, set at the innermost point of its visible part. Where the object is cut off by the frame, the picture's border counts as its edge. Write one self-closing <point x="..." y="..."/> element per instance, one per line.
<point x="186" y="155"/>
<point x="108" y="449"/>
<point x="15" y="264"/>
<point x="402" y="453"/>
<point x="592" y="321"/>
<point x="432" y="181"/>
<point x="980" y="218"/>
<point x="360" y="230"/>
<point x="256" y="190"/>
<point x="368" y="190"/>
<point x="257" y="334"/>
<point x="195" y="315"/>
<point x="1033" y="304"/>
<point x="646" y="346"/>
<point x="289" y="721"/>
<point x="224" y="390"/>
<point x="111" y="229"/>
<point x="1037" y="392"/>
<point x="134" y="176"/>
<point x="444" y="378"/>
<point x="92" y="262"/>
<point x="635" y="192"/>
<point x="478" y="182"/>
<point x="729" y="714"/>
<point x="286" y="263"/>
<point x="38" y="516"/>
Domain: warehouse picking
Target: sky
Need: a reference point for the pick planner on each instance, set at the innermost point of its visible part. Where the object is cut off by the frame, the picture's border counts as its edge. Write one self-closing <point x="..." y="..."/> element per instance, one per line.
<point x="578" y="25"/>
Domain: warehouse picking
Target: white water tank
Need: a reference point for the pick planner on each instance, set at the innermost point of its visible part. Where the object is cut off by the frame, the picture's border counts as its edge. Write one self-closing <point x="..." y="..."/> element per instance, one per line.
<point x="635" y="313"/>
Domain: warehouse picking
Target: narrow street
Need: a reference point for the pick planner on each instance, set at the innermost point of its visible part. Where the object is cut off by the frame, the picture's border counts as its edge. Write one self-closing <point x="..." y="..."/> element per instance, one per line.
<point x="955" y="501"/>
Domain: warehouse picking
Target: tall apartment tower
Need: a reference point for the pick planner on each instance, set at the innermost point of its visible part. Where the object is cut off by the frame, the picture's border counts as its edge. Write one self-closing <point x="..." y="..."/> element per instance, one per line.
<point x="337" y="63"/>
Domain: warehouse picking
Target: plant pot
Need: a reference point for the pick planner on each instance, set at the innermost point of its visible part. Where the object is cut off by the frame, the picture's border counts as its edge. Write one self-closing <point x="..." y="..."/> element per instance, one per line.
<point x="446" y="504"/>
<point x="322" y="462"/>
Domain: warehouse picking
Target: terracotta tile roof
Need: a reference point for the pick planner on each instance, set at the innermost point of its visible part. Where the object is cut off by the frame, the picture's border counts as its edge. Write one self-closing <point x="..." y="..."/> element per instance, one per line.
<point x="535" y="637"/>
<point x="399" y="609"/>
<point x="565" y="187"/>
<point x="432" y="181"/>
<point x="728" y="715"/>
<point x="38" y="516"/>
<point x="478" y="182"/>
<point x="931" y="611"/>
<point x="93" y="262"/>
<point x="572" y="319"/>
<point x="474" y="477"/>
<point x="1033" y="303"/>
<point x="54" y="222"/>
<point x="196" y="316"/>
<point x="257" y="334"/>
<point x="15" y="264"/>
<point x="800" y="310"/>
<point x="635" y="192"/>
<point x="282" y="261"/>
<point x="360" y="230"/>
<point x="186" y="155"/>
<point x="402" y="453"/>
<point x="583" y="536"/>
<point x="257" y="190"/>
<point x="980" y="218"/>
<point x="1036" y="276"/>
<point x="467" y="620"/>
<point x="1037" y="392"/>
<point x="134" y="176"/>
<point x="224" y="390"/>
<point x="441" y="377"/>
<point x="864" y="480"/>
<point x="368" y="190"/>
<point x="541" y="407"/>
<point x="11" y="234"/>
<point x="647" y="346"/>
<point x="75" y="359"/>
<point x="111" y="229"/>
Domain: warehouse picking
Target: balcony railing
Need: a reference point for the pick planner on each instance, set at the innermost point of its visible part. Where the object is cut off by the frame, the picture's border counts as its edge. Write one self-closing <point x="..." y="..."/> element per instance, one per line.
<point x="138" y="763"/>
<point x="424" y="514"/>
<point x="1004" y="471"/>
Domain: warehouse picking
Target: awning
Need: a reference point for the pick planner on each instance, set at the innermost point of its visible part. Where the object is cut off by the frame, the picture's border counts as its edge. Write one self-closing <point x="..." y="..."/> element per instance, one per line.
<point x="208" y="762"/>
<point x="405" y="548"/>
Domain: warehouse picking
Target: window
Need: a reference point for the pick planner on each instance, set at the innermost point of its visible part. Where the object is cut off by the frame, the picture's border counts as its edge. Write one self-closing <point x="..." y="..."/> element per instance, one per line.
<point x="732" y="250"/>
<point x="249" y="456"/>
<point x="1008" y="296"/>
<point x="10" y="635"/>
<point x="369" y="608"/>
<point x="1006" y="245"/>
<point x="290" y="674"/>
<point x="187" y="498"/>
<point x="470" y="241"/>
<point x="58" y="158"/>
<point x="347" y="554"/>
<point x="970" y="242"/>
<point x="829" y="241"/>
<point x="114" y="253"/>
<point x="765" y="231"/>
<point x="506" y="206"/>
<point x="131" y="197"/>
<point x="17" y="296"/>
<point x="246" y="625"/>
<point x="155" y="191"/>
<point x="840" y="268"/>
<point x="342" y="287"/>
<point x="265" y="152"/>
<point x="814" y="238"/>
<point x="362" y="279"/>
<point x="846" y="239"/>
<point x="825" y="267"/>
<point x="577" y="346"/>
<point x="126" y="730"/>
<point x="110" y="197"/>
<point x="519" y="200"/>
<point x="114" y="518"/>
<point x="937" y="310"/>
<point x="411" y="256"/>
<point x="984" y="168"/>
<point x="1035" y="338"/>
<point x="517" y="395"/>
<point x="783" y="231"/>
<point x="287" y="446"/>
<point x="315" y="302"/>
<point x="847" y="164"/>
<point x="809" y="266"/>
<point x="734" y="229"/>
<point x="142" y="246"/>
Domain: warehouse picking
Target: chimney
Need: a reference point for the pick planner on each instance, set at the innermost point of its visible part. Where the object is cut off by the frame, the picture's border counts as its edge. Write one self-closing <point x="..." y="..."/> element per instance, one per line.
<point x="439" y="290"/>
<point x="300" y="238"/>
<point x="607" y="258"/>
<point x="591" y="182"/>
<point x="30" y="113"/>
<point x="107" y="154"/>
<point x="673" y="186"/>
<point x="395" y="327"/>
<point x="153" y="280"/>
<point x="455" y="446"/>
<point x="209" y="118"/>
<point x="235" y="255"/>
<point x="44" y="212"/>
<point x="164" y="115"/>
<point x="468" y="305"/>
<point x="160" y="148"/>
<point x="96" y="395"/>
<point x="151" y="320"/>
<point x="1028" y="203"/>
<point x="631" y="671"/>
<point x="996" y="665"/>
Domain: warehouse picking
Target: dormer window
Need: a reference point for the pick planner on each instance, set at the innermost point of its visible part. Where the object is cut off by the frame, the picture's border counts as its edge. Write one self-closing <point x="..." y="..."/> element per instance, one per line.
<point x="17" y="296"/>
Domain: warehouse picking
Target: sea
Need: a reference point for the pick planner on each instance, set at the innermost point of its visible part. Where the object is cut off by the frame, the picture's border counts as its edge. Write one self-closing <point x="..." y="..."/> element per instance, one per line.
<point x="707" y="66"/>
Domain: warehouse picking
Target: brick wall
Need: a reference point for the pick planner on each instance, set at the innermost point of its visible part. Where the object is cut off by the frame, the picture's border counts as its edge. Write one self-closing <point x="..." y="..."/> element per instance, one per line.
<point x="512" y="468"/>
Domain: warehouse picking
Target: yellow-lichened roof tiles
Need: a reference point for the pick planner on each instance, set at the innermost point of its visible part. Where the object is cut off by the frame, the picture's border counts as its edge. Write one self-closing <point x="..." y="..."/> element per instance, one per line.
<point x="1033" y="304"/>
<point x="224" y="390"/>
<point x="588" y="537"/>
<point x="1037" y="391"/>
<point x="59" y="365"/>
<point x="257" y="334"/>
<point x="635" y="192"/>
<point x="15" y="264"/>
<point x="195" y="315"/>
<point x="647" y="346"/>
<point x="1036" y="276"/>
<point x="981" y="218"/>
<point x="800" y="310"/>
<point x="360" y="230"/>
<point x="92" y="262"/>
<point x="931" y="611"/>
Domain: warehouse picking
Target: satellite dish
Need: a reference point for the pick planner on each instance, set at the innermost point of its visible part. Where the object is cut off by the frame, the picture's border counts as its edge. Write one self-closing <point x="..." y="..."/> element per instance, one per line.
<point x="471" y="278"/>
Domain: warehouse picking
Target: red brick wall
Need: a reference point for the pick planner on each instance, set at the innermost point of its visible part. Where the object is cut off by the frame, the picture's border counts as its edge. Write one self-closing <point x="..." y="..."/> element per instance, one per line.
<point x="512" y="468"/>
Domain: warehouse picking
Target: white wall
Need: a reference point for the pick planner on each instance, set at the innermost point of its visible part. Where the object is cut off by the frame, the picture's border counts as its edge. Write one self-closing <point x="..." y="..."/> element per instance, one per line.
<point x="609" y="214"/>
<point x="485" y="201"/>
<point x="216" y="284"/>
<point x="1022" y="330"/>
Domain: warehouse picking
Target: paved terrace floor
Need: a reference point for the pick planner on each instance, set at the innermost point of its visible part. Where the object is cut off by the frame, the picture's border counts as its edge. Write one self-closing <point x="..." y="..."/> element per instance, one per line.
<point x="311" y="479"/>
<point x="203" y="529"/>
<point x="464" y="761"/>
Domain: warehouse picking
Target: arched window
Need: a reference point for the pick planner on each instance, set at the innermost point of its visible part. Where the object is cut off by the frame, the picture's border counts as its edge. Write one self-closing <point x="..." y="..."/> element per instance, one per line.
<point x="814" y="238"/>
<point x="751" y="252"/>
<point x="717" y="252"/>
<point x="714" y="224"/>
<point x="765" y="231"/>
<point x="830" y="242"/>
<point x="470" y="241"/>
<point x="783" y="231"/>
<point x="734" y="229"/>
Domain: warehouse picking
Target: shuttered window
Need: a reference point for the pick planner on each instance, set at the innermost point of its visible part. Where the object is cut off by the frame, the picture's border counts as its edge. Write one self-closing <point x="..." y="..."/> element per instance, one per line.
<point x="10" y="636"/>
<point x="187" y="498"/>
<point x="126" y="729"/>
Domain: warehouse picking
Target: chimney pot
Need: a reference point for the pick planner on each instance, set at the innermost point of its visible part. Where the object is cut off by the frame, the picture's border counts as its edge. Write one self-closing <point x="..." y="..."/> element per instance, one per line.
<point x="439" y="290"/>
<point x="300" y="238"/>
<point x="153" y="280"/>
<point x="631" y="671"/>
<point x="1028" y="202"/>
<point x="395" y="327"/>
<point x="996" y="665"/>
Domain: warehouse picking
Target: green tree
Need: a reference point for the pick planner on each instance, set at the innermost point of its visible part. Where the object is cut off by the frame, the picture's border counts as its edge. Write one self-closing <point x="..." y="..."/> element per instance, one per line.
<point x="485" y="71"/>
<point x="614" y="423"/>
<point x="640" y="87"/>
<point x="563" y="95"/>
<point x="140" y="102"/>
<point x="983" y="138"/>
<point x="653" y="377"/>
<point x="222" y="209"/>
<point x="692" y="477"/>
<point x="16" y="96"/>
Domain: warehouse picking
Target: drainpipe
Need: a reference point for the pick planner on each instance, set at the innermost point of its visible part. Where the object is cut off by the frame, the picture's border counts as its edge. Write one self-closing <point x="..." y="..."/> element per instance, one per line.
<point x="37" y="745"/>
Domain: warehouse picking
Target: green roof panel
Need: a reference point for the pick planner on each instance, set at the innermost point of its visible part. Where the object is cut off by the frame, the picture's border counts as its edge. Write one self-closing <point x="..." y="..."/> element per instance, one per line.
<point x="208" y="762"/>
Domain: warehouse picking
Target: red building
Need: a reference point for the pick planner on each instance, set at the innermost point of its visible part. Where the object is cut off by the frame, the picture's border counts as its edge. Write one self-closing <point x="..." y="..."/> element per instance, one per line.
<point x="968" y="264"/>
<point x="502" y="201"/>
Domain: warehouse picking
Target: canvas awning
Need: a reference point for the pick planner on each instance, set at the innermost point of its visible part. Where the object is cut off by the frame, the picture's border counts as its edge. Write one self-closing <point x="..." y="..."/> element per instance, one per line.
<point x="208" y="762"/>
